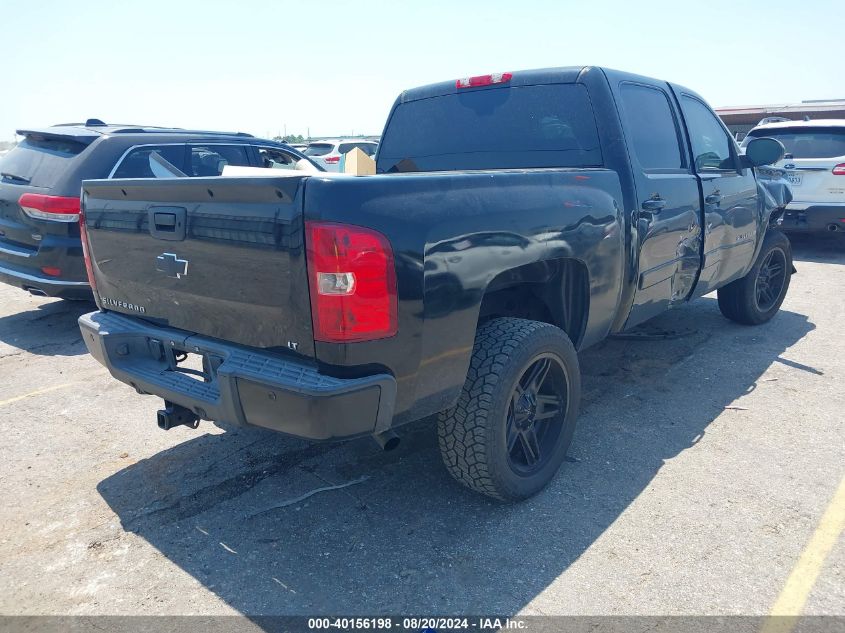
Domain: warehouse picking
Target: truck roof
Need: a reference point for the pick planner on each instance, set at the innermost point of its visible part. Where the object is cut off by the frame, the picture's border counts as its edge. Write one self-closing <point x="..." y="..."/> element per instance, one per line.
<point x="519" y="78"/>
<point x="810" y="123"/>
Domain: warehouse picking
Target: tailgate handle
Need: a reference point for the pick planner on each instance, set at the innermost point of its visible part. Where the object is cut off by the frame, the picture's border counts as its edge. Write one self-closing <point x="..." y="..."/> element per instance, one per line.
<point x="168" y="223"/>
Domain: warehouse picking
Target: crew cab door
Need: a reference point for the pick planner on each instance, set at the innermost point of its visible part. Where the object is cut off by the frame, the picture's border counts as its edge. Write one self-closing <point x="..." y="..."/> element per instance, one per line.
<point x="729" y="195"/>
<point x="668" y="213"/>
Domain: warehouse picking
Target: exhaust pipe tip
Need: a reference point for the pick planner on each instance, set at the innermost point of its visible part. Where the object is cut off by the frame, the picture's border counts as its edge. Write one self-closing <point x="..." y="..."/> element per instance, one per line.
<point x="833" y="228"/>
<point x="388" y="440"/>
<point x="36" y="292"/>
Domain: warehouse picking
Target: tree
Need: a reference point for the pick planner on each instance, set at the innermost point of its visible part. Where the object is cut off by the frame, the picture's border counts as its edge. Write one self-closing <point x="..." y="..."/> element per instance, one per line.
<point x="290" y="138"/>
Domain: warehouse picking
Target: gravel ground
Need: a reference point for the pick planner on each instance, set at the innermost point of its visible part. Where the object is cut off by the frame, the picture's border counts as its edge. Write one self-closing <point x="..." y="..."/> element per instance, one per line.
<point x="701" y="467"/>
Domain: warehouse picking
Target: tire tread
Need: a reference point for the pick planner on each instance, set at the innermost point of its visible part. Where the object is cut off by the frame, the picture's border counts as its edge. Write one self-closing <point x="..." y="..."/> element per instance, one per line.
<point x="462" y="432"/>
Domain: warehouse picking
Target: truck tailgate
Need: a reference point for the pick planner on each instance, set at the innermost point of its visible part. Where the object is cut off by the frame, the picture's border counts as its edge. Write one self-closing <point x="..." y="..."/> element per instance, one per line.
<point x="223" y="257"/>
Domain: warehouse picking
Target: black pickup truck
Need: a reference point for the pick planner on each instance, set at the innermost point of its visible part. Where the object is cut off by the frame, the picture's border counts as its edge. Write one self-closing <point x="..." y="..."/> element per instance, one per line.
<point x="515" y="218"/>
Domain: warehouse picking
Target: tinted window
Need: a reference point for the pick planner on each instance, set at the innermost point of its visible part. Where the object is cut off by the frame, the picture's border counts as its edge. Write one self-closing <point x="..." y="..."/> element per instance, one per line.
<point x="367" y="148"/>
<point x="711" y="145"/>
<point x="807" y="142"/>
<point x="270" y="158"/>
<point x="318" y="149"/>
<point x="38" y="162"/>
<point x="511" y="127"/>
<point x="146" y="162"/>
<point x="651" y="127"/>
<point x="209" y="160"/>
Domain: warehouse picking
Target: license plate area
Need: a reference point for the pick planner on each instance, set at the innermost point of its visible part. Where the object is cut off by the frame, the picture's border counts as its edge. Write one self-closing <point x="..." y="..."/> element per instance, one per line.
<point x="794" y="178"/>
<point x="192" y="363"/>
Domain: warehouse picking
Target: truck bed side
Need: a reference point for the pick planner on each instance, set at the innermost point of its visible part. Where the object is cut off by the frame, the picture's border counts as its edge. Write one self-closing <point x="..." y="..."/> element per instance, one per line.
<point x="457" y="237"/>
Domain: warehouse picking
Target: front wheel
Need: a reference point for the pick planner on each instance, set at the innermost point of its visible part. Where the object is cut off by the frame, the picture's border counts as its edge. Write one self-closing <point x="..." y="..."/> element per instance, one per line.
<point x="509" y="432"/>
<point x="756" y="298"/>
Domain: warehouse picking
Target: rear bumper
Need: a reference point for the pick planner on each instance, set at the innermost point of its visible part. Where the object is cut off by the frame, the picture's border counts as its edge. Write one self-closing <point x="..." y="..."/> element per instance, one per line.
<point x="21" y="266"/>
<point x="243" y="385"/>
<point x="34" y="281"/>
<point x="812" y="217"/>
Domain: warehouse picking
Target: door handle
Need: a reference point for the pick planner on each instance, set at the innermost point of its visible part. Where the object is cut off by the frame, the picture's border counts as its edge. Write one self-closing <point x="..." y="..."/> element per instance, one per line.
<point x="654" y="204"/>
<point x="167" y="223"/>
<point x="713" y="198"/>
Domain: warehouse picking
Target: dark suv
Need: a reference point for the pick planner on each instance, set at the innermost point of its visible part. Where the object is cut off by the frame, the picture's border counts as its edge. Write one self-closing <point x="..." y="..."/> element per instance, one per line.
<point x="40" y="249"/>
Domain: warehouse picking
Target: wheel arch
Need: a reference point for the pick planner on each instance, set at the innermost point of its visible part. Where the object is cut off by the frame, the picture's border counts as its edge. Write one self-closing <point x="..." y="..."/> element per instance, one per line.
<point x="555" y="291"/>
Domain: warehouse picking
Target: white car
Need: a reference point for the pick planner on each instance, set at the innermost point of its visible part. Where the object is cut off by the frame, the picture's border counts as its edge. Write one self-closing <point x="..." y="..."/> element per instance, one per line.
<point x="815" y="167"/>
<point x="328" y="152"/>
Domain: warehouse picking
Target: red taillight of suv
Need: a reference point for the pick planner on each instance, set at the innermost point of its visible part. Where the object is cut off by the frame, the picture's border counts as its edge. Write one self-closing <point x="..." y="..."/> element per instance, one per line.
<point x="352" y="279"/>
<point x="331" y="160"/>
<point x="839" y="170"/>
<point x="86" y="251"/>
<point x="54" y="208"/>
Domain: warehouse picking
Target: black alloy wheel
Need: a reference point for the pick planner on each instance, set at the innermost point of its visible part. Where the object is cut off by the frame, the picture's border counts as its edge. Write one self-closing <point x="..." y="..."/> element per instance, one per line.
<point x="769" y="283"/>
<point x="535" y="415"/>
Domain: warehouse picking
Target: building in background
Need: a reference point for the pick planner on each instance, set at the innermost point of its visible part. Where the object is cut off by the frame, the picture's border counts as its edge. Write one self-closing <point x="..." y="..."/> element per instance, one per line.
<point x="740" y="120"/>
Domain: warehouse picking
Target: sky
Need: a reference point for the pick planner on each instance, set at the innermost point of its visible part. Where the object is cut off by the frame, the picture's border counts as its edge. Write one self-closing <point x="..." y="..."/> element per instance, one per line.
<point x="334" y="68"/>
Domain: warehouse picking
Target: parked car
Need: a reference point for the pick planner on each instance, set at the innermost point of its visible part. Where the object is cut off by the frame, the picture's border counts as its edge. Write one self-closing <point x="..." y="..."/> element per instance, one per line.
<point x="562" y="205"/>
<point x="327" y="153"/>
<point x="815" y="167"/>
<point x="41" y="178"/>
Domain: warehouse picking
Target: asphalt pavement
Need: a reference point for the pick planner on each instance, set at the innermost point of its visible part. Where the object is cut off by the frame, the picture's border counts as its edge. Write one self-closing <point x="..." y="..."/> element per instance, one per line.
<point x="706" y="458"/>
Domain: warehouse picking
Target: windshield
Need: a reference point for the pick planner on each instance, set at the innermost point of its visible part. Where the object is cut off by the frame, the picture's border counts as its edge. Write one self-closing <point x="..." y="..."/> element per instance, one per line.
<point x="805" y="142"/>
<point x="38" y="162"/>
<point x="512" y="127"/>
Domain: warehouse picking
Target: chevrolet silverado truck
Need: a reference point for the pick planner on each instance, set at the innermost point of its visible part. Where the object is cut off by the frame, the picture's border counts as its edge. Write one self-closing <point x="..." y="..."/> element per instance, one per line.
<point x="514" y="219"/>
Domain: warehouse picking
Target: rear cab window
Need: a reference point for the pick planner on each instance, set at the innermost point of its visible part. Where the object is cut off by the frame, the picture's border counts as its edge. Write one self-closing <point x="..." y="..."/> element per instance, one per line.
<point x="39" y="162"/>
<point x="539" y="126"/>
<point x="652" y="127"/>
<point x="806" y="142"/>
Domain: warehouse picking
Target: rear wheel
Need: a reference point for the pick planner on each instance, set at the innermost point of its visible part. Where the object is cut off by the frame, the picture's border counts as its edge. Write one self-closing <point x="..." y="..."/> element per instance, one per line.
<point x="509" y="432"/>
<point x="756" y="298"/>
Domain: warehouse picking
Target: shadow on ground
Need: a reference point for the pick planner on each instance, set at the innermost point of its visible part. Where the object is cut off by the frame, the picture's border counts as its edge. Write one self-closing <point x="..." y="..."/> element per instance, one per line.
<point x="50" y="330"/>
<point x="407" y="539"/>
<point x="818" y="247"/>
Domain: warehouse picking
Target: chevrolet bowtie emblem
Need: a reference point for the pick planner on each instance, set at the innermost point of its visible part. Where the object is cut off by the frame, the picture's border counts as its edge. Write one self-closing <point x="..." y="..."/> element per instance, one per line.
<point x="171" y="265"/>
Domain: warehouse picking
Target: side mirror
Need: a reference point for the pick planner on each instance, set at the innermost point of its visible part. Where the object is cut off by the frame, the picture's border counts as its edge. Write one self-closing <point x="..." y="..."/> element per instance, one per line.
<point x="763" y="151"/>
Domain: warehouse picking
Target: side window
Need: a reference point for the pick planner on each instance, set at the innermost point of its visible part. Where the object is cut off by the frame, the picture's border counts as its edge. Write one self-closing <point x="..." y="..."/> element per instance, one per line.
<point x="711" y="145"/>
<point x="209" y="160"/>
<point x="652" y="128"/>
<point x="151" y="162"/>
<point x="271" y="158"/>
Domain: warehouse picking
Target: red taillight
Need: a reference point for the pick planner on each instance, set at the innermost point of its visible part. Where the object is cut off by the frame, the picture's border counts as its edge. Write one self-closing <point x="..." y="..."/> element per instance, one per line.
<point x="483" y="80"/>
<point x="352" y="279"/>
<point x="86" y="252"/>
<point x="839" y="170"/>
<point x="51" y="271"/>
<point x="332" y="159"/>
<point x="55" y="208"/>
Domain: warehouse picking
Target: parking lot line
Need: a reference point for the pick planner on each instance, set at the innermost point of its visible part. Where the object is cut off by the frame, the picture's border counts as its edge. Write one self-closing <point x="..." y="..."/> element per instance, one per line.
<point x="36" y="393"/>
<point x="800" y="583"/>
